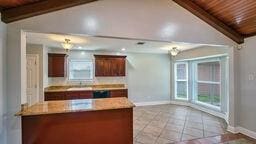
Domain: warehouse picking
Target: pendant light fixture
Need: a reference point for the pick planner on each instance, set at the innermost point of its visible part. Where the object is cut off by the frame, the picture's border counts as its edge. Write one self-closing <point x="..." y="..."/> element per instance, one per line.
<point x="67" y="45"/>
<point x="174" y="51"/>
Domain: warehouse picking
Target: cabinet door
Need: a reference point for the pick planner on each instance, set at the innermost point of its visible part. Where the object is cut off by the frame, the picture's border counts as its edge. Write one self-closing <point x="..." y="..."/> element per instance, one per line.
<point x="121" y="67"/>
<point x="109" y="65"/>
<point x="71" y="95"/>
<point x="119" y="93"/>
<point x="114" y="67"/>
<point x="86" y="95"/>
<point x="56" y="65"/>
<point x="99" y="67"/>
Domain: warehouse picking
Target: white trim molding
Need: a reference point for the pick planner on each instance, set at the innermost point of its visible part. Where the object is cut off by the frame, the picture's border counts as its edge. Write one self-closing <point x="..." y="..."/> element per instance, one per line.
<point x="151" y="103"/>
<point x="242" y="130"/>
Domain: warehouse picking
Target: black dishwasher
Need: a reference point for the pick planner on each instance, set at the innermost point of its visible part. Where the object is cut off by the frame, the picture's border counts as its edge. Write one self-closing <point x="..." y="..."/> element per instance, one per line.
<point x="101" y="94"/>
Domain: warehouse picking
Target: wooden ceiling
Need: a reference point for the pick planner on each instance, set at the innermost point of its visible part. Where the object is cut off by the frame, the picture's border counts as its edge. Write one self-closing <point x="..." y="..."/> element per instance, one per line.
<point x="13" y="10"/>
<point x="6" y="4"/>
<point x="237" y="14"/>
<point x="234" y="18"/>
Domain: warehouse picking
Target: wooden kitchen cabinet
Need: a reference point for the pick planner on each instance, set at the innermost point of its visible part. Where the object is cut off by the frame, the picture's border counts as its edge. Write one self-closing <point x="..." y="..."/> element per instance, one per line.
<point x="68" y="95"/>
<point x="79" y="95"/>
<point x="119" y="93"/>
<point x="72" y="95"/>
<point x="50" y="96"/>
<point x="109" y="65"/>
<point x="57" y="65"/>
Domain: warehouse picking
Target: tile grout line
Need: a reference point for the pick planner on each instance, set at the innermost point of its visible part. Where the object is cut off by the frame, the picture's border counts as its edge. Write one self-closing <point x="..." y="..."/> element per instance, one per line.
<point x="203" y="126"/>
<point x="184" y="125"/>
<point x="164" y="128"/>
<point x="146" y="125"/>
<point x="169" y="116"/>
<point x="141" y="129"/>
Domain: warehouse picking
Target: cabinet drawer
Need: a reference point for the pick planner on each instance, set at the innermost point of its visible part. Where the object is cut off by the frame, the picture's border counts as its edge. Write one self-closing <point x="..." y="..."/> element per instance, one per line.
<point x="73" y="95"/>
<point x="86" y="95"/>
<point x="49" y="96"/>
<point x="119" y="93"/>
<point x="79" y="95"/>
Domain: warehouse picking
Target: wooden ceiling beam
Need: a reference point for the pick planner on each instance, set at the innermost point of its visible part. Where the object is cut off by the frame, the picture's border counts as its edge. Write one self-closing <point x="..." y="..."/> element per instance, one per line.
<point x="38" y="8"/>
<point x="211" y="20"/>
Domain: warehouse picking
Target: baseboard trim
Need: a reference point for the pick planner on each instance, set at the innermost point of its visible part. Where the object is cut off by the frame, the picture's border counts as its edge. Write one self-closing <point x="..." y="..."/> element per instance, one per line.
<point x="183" y="103"/>
<point x="151" y="103"/>
<point x="233" y="130"/>
<point x="242" y="130"/>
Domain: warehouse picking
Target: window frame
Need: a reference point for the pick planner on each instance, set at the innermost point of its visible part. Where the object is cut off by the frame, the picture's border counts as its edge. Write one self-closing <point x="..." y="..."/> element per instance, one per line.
<point x="81" y="60"/>
<point x="196" y="81"/>
<point x="180" y="80"/>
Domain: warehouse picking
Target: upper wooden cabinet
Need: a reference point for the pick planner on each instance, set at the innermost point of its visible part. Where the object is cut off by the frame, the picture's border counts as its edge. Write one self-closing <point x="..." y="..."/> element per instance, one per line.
<point x="57" y="65"/>
<point x="109" y="65"/>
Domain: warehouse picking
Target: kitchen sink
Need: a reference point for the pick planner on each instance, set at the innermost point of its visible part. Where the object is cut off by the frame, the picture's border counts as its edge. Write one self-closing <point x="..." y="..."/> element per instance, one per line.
<point x="80" y="89"/>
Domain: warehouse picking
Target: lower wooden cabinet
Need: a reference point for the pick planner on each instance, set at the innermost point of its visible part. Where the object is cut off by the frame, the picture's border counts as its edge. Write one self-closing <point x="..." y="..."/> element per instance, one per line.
<point x="71" y="95"/>
<point x="119" y="93"/>
<point x="79" y="95"/>
<point x="50" y="96"/>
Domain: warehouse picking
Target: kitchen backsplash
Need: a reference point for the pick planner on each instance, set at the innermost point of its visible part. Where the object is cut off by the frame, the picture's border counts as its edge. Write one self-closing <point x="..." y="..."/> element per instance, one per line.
<point x="98" y="80"/>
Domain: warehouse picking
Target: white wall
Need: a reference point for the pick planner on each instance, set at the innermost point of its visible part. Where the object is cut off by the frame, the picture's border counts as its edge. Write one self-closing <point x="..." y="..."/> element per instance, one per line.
<point x="3" y="96"/>
<point x="247" y="85"/>
<point x="147" y="19"/>
<point x="149" y="77"/>
<point x="201" y="52"/>
<point x="45" y="67"/>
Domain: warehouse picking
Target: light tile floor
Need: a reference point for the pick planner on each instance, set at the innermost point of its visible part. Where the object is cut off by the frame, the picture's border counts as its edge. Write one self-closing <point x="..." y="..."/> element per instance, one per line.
<point x="164" y="124"/>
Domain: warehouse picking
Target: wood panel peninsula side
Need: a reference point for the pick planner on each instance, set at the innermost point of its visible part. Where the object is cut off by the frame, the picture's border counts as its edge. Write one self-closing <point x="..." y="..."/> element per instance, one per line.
<point x="84" y="121"/>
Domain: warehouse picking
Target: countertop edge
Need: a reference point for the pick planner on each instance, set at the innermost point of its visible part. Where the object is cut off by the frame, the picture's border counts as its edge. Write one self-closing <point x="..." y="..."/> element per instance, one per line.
<point x="23" y="113"/>
<point x="93" y="89"/>
<point x="19" y="114"/>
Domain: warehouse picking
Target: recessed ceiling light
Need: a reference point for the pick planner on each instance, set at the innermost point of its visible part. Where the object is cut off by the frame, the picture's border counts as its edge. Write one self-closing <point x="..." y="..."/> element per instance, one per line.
<point x="123" y="49"/>
<point x="79" y="47"/>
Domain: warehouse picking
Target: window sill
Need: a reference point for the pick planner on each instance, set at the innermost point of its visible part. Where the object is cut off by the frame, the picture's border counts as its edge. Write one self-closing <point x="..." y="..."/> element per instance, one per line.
<point x="215" y="108"/>
<point x="203" y="108"/>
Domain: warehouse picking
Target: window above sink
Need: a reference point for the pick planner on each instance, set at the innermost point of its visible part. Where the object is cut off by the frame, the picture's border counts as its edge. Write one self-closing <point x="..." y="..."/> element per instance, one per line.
<point x="80" y="69"/>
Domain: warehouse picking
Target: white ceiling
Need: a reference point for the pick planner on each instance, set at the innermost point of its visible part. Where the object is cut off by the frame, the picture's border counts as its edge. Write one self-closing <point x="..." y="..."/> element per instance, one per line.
<point x="106" y="44"/>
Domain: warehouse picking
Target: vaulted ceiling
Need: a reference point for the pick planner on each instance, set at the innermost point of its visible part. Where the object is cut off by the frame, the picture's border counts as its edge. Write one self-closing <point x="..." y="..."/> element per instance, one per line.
<point x="234" y="18"/>
<point x="5" y="4"/>
<point x="237" y="14"/>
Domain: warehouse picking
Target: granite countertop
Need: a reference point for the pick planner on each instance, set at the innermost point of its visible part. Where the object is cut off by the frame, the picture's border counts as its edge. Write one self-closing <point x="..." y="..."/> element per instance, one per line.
<point x="68" y="106"/>
<point x="85" y="88"/>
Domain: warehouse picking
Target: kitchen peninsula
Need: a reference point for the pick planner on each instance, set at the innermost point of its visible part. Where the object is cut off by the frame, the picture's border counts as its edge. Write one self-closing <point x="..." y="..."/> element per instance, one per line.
<point x="84" y="121"/>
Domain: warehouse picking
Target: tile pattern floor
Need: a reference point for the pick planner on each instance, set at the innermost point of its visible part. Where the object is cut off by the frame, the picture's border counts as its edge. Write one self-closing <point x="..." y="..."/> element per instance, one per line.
<point x="162" y="124"/>
<point x="222" y="139"/>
